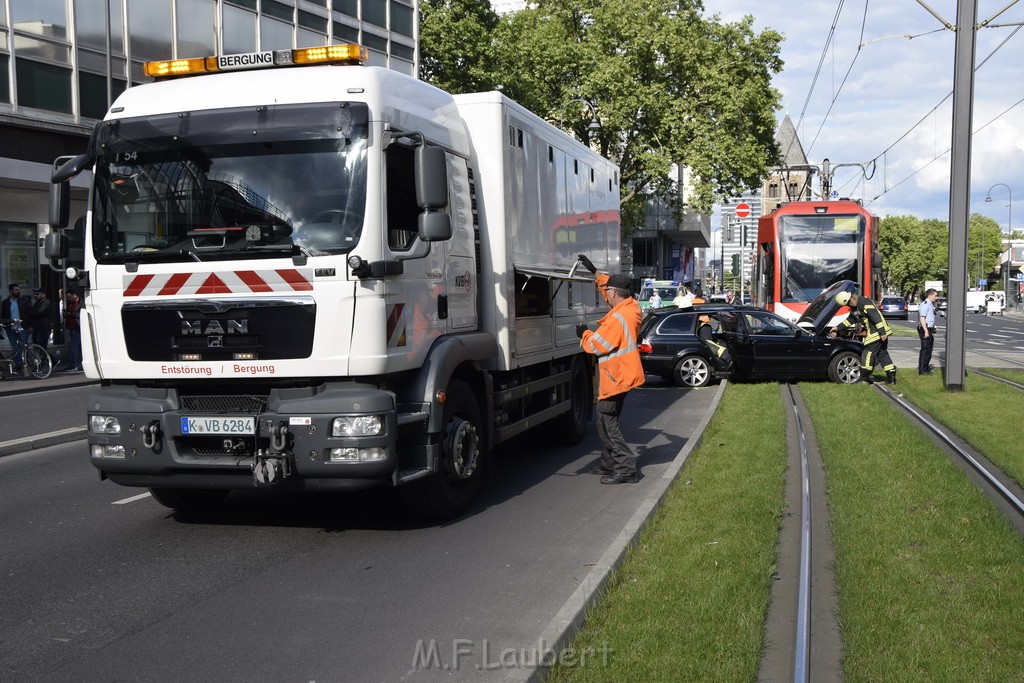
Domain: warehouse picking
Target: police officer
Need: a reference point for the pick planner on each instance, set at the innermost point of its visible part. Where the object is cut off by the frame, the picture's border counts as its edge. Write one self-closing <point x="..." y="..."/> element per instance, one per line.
<point x="926" y="332"/>
<point x="619" y="370"/>
<point x="876" y="337"/>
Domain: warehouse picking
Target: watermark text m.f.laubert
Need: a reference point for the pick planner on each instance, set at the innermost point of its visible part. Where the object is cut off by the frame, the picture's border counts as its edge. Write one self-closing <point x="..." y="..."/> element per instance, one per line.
<point x="465" y="653"/>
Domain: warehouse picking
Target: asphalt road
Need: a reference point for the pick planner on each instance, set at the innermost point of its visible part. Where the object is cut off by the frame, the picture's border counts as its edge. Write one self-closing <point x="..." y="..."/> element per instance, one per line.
<point x="101" y="585"/>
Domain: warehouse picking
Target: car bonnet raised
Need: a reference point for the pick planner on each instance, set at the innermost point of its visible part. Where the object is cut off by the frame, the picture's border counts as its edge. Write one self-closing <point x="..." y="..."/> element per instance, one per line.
<point x="824" y="308"/>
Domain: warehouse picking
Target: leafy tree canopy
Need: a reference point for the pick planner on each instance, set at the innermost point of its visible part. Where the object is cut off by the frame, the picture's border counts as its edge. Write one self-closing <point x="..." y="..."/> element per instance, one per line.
<point x="668" y="85"/>
<point x="915" y="250"/>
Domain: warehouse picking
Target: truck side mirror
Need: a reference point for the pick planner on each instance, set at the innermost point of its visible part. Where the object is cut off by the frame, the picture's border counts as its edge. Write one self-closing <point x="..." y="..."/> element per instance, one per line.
<point x="55" y="246"/>
<point x="431" y="164"/>
<point x="435" y="226"/>
<point x="60" y="191"/>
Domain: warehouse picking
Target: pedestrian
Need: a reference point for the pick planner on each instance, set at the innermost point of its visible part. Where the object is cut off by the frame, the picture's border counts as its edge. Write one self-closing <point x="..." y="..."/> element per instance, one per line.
<point x="72" y="322"/>
<point x="614" y="343"/>
<point x="684" y="297"/>
<point x="730" y="298"/>
<point x="39" y="318"/>
<point x="13" y="310"/>
<point x="926" y="331"/>
<point x="656" y="299"/>
<point x="876" y="335"/>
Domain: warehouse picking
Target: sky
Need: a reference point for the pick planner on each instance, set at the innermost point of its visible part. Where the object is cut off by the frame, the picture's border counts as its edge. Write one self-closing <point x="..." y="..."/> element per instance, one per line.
<point x="883" y="97"/>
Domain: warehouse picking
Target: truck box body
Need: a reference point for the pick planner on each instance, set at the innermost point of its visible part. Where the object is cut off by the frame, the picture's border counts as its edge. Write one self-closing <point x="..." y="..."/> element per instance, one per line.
<point x="263" y="255"/>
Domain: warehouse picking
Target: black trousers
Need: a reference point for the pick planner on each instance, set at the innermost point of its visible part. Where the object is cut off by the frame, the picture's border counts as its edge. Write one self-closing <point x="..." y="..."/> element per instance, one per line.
<point x="616" y="454"/>
<point x="877" y="353"/>
<point x="927" y="343"/>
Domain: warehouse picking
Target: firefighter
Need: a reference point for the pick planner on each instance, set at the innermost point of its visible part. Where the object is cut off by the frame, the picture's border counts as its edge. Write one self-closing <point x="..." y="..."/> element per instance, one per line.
<point x="705" y="331"/>
<point x="614" y="344"/>
<point x="876" y="335"/>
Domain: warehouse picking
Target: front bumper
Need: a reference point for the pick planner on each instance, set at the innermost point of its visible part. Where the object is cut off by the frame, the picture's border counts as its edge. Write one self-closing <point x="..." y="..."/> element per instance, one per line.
<point x="152" y="451"/>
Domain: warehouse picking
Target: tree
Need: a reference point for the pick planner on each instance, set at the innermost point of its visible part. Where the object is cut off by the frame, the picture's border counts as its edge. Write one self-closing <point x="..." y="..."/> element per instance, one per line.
<point x="668" y="86"/>
<point x="456" y="44"/>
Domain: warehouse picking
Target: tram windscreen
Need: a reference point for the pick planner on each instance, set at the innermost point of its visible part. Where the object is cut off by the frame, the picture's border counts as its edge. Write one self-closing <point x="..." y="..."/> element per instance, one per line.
<point x="818" y="251"/>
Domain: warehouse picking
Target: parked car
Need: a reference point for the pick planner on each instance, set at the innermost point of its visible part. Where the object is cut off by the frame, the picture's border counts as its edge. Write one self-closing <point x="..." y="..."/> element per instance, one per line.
<point x="762" y="344"/>
<point x="893" y="307"/>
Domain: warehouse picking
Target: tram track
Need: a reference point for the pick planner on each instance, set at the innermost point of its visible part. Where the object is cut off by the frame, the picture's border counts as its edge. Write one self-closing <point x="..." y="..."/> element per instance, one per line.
<point x="1003" y="359"/>
<point x="803" y="640"/>
<point x="1007" y="494"/>
<point x="1016" y="385"/>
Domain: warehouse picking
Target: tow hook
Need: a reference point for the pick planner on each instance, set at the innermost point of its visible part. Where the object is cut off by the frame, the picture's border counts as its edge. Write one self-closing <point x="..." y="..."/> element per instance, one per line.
<point x="271" y="466"/>
<point x="151" y="435"/>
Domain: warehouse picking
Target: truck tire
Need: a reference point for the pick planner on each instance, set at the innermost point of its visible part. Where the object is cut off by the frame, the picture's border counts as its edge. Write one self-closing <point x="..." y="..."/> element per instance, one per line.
<point x="572" y="426"/>
<point x="844" y="368"/>
<point x="692" y="371"/>
<point x="189" y="500"/>
<point x="448" y="493"/>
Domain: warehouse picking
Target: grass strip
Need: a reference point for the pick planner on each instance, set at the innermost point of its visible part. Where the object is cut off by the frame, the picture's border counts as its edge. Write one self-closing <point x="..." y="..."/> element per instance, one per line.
<point x="1007" y="373"/>
<point x="690" y="599"/>
<point x="984" y="414"/>
<point x="928" y="570"/>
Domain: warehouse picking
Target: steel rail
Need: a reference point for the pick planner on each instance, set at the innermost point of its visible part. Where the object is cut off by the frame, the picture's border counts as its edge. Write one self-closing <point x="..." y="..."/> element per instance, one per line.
<point x="801" y="654"/>
<point x="967" y="457"/>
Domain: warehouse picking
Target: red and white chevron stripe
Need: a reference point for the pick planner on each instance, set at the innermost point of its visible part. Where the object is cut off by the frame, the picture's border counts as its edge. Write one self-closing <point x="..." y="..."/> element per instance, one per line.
<point x="221" y="282"/>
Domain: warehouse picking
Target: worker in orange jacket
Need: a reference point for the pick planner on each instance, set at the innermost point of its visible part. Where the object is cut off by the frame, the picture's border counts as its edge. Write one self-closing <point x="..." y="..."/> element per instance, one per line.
<point x="614" y="343"/>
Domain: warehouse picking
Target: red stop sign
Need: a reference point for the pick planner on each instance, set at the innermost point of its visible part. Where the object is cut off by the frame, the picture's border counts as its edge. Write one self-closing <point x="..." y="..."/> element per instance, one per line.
<point x="742" y="210"/>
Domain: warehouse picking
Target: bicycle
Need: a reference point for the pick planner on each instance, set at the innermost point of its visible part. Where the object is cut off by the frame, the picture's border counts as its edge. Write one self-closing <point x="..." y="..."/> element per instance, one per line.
<point x="35" y="360"/>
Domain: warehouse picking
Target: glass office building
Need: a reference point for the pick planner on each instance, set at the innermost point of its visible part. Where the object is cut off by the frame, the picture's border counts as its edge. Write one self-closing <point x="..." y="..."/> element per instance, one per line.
<point x="62" y="62"/>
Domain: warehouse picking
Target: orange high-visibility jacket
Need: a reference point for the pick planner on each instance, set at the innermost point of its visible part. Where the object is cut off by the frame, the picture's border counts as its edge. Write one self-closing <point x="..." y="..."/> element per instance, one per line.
<point x="615" y="345"/>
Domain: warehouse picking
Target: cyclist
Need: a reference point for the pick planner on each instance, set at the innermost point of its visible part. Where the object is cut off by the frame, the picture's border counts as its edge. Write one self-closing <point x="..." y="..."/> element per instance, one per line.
<point x="12" y="310"/>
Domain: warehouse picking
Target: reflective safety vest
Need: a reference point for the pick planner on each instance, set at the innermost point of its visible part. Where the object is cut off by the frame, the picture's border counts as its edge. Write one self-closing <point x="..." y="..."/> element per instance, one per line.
<point x="874" y="322"/>
<point x="614" y="344"/>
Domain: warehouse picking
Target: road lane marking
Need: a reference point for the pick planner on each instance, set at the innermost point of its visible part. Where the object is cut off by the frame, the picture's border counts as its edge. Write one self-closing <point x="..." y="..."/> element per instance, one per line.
<point x="125" y="501"/>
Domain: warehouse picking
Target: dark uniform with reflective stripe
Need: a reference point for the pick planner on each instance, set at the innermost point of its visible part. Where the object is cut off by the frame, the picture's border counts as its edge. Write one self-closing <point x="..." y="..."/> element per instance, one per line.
<point x="876" y="349"/>
<point x="705" y="332"/>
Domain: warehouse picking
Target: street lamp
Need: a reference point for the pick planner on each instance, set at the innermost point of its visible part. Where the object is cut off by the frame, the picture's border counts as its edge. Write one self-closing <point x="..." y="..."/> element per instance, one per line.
<point x="593" y="127"/>
<point x="1009" y="232"/>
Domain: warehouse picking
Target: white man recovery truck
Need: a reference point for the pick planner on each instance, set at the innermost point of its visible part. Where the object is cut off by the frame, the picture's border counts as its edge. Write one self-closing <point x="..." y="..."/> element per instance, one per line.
<point x="329" y="278"/>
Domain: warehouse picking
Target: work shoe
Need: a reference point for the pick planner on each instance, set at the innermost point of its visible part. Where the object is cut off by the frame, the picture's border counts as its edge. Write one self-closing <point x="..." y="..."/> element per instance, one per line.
<point x="621" y="478"/>
<point x="865" y="377"/>
<point x="601" y="469"/>
<point x="925" y="372"/>
<point x="890" y="377"/>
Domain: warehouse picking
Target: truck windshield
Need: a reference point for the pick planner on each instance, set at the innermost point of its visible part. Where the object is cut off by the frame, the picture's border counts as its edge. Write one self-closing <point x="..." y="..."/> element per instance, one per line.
<point x="818" y="251"/>
<point x="230" y="183"/>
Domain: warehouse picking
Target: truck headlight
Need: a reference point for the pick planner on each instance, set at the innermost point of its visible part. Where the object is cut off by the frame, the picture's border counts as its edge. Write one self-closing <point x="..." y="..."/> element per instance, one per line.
<point x="358" y="454"/>
<point x="361" y="425"/>
<point x="107" y="451"/>
<point x="103" y="424"/>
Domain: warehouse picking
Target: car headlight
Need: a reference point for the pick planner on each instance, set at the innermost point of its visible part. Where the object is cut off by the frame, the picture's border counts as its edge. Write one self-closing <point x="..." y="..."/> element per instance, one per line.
<point x="103" y="424"/>
<point x="361" y="425"/>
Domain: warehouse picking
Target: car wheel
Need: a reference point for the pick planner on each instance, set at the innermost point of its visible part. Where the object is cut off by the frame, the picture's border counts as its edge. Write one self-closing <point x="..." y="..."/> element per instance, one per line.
<point x="844" y="368"/>
<point x="692" y="371"/>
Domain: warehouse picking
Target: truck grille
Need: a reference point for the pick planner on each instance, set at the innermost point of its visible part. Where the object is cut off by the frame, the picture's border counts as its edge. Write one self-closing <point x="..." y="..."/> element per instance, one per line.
<point x="243" y="403"/>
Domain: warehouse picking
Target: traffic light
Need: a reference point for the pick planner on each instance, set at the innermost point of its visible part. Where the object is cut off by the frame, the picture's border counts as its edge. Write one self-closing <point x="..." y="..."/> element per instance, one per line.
<point x="735" y="264"/>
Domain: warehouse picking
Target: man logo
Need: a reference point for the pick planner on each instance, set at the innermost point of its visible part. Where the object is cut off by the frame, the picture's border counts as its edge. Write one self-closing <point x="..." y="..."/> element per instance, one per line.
<point x="214" y="327"/>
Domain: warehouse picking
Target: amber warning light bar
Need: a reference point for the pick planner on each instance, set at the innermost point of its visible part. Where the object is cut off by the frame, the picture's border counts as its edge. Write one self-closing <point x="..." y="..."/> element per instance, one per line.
<point x="349" y="53"/>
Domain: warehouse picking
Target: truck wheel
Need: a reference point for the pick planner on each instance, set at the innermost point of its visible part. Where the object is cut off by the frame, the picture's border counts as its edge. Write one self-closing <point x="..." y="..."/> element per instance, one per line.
<point x="190" y="500"/>
<point x="692" y="371"/>
<point x="572" y="426"/>
<point x="447" y="493"/>
<point x="844" y="368"/>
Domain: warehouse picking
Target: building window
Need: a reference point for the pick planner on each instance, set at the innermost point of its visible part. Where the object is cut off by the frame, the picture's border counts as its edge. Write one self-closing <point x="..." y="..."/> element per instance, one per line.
<point x="644" y="253"/>
<point x="376" y="12"/>
<point x="375" y="42"/>
<point x="794" y="191"/>
<point x="5" y="81"/>
<point x="275" y="35"/>
<point x="239" y="30"/>
<point x="196" y="37"/>
<point x="149" y="29"/>
<point x="92" y="94"/>
<point x="278" y="10"/>
<point x="44" y="18"/>
<point x="349" y="7"/>
<point x="91" y="29"/>
<point x="773" y="191"/>
<point x="401" y="18"/>
<point x="43" y="86"/>
<point x="345" y="33"/>
<point x="312" y="21"/>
